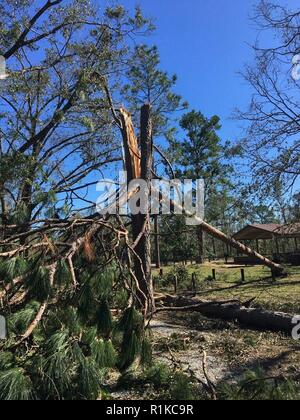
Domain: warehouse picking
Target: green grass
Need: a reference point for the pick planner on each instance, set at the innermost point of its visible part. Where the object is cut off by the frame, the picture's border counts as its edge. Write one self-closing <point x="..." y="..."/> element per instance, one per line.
<point x="282" y="295"/>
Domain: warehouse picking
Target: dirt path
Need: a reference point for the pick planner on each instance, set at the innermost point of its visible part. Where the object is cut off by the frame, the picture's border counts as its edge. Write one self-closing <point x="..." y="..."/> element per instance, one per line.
<point x="176" y="345"/>
<point x="180" y="339"/>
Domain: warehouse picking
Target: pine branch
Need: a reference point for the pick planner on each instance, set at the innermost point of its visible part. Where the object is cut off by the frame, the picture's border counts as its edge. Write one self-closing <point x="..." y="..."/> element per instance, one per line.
<point x="52" y="270"/>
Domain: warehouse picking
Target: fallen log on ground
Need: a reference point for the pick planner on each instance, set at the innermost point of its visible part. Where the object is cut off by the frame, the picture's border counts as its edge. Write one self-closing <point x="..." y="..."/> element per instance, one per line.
<point x="232" y="311"/>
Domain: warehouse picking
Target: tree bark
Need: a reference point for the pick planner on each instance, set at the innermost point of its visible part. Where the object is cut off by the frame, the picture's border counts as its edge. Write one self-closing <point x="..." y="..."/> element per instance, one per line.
<point x="146" y="173"/>
<point x="131" y="149"/>
<point x="233" y="311"/>
<point x="157" y="243"/>
<point x="4" y="210"/>
<point x="200" y="239"/>
<point x="139" y="165"/>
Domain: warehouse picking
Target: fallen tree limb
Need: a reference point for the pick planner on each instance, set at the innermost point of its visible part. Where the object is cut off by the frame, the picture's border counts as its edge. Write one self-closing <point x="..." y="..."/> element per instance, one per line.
<point x="210" y="384"/>
<point x="233" y="311"/>
<point x="52" y="270"/>
<point x="277" y="269"/>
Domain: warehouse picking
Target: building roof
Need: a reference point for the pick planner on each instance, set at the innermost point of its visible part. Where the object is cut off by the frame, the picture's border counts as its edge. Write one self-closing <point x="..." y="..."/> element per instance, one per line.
<point x="268" y="231"/>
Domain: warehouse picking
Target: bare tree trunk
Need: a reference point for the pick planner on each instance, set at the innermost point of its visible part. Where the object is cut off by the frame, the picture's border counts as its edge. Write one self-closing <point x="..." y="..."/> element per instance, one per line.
<point x="146" y="172"/>
<point x="4" y="210"/>
<point x="141" y="167"/>
<point x="157" y="242"/>
<point x="131" y="149"/>
<point x="200" y="239"/>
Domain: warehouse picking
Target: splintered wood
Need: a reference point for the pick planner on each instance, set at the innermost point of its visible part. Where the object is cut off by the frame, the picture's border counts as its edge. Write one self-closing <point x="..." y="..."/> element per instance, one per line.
<point x="131" y="148"/>
<point x="134" y="171"/>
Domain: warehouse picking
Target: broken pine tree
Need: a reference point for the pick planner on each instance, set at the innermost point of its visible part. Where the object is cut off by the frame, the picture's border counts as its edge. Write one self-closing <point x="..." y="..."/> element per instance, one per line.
<point x="138" y="163"/>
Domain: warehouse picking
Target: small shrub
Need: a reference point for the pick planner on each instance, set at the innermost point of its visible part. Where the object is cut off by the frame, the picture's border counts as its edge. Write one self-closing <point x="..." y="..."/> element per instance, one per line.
<point x="182" y="388"/>
<point x="182" y="274"/>
<point x="159" y="375"/>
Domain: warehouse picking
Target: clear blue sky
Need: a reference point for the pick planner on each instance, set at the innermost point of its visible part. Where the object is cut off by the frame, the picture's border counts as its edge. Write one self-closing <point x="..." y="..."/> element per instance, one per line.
<point x="206" y="43"/>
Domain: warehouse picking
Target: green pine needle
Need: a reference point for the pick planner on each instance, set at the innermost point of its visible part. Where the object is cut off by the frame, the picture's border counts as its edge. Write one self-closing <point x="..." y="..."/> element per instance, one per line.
<point x="6" y="360"/>
<point x="104" y="319"/>
<point x="146" y="353"/>
<point x="57" y="365"/>
<point x="12" y="268"/>
<point x="38" y="283"/>
<point x="89" y="379"/>
<point x="104" y="354"/>
<point x="86" y="301"/>
<point x="98" y="352"/>
<point x="131" y="348"/>
<point x="103" y="283"/>
<point x="110" y="354"/>
<point x="63" y="275"/>
<point x="131" y="324"/>
<point x="21" y="214"/>
<point x="19" y="321"/>
<point x="15" y="385"/>
<point x="89" y="336"/>
<point x="131" y="320"/>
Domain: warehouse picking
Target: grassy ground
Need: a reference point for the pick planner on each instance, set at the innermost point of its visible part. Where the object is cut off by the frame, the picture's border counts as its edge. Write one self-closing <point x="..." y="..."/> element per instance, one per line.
<point x="282" y="295"/>
<point x="269" y="360"/>
<point x="232" y="351"/>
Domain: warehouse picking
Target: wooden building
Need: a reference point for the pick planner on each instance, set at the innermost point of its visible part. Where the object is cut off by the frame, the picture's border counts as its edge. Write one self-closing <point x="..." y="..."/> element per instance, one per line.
<point x="279" y="242"/>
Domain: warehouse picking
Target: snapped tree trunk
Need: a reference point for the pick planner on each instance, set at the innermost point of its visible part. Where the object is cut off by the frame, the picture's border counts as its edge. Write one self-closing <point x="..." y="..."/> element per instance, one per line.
<point x="139" y="165"/>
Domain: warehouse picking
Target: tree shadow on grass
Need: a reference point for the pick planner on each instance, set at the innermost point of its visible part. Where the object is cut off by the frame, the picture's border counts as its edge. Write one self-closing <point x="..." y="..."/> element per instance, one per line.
<point x="271" y="366"/>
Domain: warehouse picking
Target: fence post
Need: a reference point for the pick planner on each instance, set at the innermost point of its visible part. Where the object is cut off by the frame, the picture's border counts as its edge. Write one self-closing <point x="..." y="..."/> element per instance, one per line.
<point x="243" y="275"/>
<point x="194" y="286"/>
<point x="175" y="284"/>
<point x="214" y="273"/>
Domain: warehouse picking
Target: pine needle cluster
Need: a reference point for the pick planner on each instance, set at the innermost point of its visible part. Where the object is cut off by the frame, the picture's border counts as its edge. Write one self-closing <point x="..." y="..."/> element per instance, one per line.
<point x="77" y="343"/>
